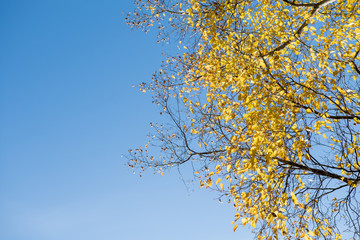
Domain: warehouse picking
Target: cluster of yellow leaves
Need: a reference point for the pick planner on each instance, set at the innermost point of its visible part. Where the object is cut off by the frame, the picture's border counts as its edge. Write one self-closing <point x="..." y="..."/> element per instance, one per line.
<point x="272" y="70"/>
<point x="273" y="89"/>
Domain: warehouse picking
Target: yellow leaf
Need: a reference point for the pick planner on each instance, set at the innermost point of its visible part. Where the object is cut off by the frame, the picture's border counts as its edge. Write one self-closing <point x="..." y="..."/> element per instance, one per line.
<point x="311" y="233"/>
<point x="235" y="227"/>
<point x="306" y="237"/>
<point x="244" y="221"/>
<point x="294" y="199"/>
<point x="218" y="180"/>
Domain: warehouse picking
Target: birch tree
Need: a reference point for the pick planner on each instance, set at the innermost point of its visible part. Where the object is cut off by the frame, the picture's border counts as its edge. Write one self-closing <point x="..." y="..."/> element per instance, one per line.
<point x="263" y="100"/>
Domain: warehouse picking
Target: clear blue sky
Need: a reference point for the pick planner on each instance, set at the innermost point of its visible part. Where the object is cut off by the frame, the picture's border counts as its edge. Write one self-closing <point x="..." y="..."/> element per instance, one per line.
<point x="67" y="114"/>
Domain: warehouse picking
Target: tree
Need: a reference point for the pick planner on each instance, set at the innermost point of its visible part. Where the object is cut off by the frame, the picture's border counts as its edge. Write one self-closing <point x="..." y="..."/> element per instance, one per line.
<point x="264" y="101"/>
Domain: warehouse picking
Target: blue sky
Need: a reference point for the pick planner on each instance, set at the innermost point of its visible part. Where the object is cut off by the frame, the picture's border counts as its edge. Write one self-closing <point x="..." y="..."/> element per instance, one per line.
<point x="67" y="114"/>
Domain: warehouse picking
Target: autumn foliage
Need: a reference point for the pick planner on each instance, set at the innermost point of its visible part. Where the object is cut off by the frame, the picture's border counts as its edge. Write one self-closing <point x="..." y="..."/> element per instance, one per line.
<point x="264" y="101"/>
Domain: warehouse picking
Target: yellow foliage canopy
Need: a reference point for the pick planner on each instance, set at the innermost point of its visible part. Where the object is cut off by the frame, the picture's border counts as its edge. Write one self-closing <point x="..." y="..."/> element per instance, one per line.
<point x="264" y="98"/>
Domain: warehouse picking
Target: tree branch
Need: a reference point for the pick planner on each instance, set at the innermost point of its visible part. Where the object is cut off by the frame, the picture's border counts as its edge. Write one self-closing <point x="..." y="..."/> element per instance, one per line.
<point x="320" y="172"/>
